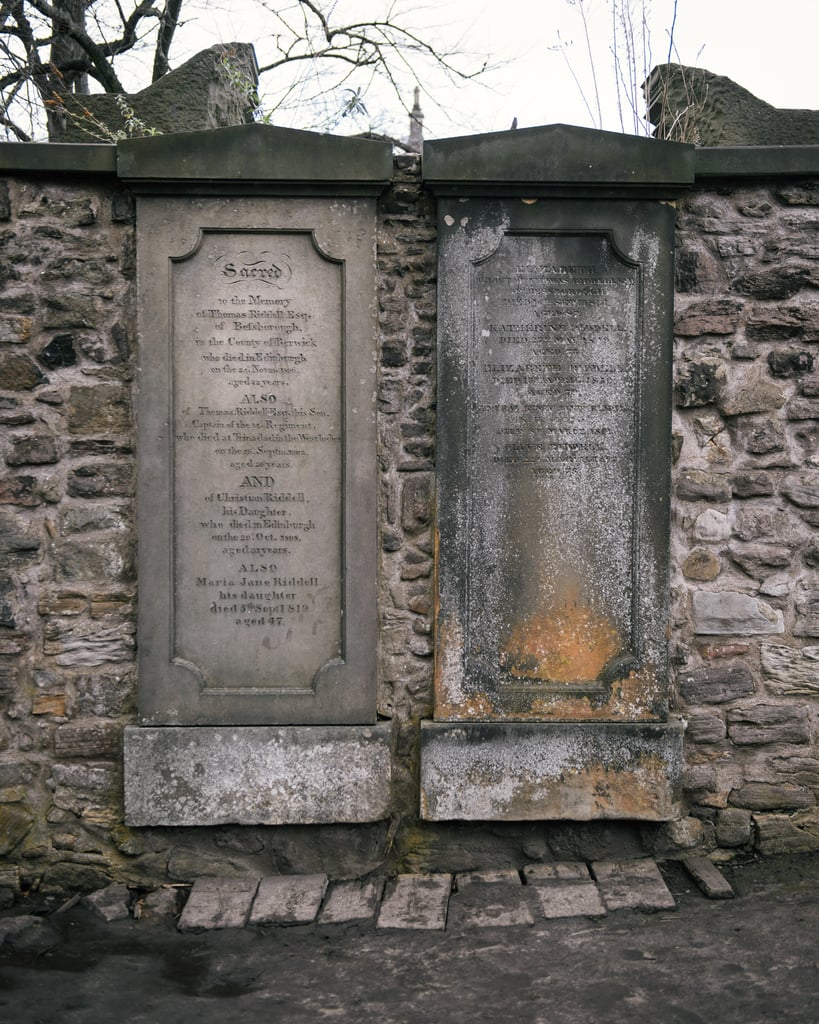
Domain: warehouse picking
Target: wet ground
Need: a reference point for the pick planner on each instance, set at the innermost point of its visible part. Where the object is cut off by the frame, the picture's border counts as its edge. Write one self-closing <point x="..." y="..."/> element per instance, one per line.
<point x="751" y="959"/>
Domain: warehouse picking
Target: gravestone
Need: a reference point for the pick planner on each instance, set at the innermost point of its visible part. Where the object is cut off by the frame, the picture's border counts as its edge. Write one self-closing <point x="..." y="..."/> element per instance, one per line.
<point x="256" y="477"/>
<point x="553" y="459"/>
<point x="695" y="105"/>
<point x="213" y="89"/>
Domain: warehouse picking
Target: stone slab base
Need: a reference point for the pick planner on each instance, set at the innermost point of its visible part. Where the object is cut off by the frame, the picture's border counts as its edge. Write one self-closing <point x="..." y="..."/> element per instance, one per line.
<point x="551" y="771"/>
<point x="256" y="775"/>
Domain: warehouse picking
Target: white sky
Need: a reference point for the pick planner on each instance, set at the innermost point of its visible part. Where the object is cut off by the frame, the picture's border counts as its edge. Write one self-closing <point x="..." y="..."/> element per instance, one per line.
<point x="768" y="47"/>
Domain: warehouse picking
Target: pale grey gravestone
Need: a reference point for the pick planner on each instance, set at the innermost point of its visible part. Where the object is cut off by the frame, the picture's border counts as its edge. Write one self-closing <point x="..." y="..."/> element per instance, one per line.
<point x="256" y="466"/>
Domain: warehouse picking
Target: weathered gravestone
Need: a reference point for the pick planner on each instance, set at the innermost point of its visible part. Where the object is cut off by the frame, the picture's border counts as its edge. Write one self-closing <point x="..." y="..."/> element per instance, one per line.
<point x="553" y="449"/>
<point x="213" y="89"/>
<point x="695" y="105"/>
<point x="257" y="545"/>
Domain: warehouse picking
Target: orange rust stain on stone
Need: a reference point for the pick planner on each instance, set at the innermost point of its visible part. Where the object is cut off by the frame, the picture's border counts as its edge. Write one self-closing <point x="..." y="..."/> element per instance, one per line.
<point x="566" y="644"/>
<point x="475" y="707"/>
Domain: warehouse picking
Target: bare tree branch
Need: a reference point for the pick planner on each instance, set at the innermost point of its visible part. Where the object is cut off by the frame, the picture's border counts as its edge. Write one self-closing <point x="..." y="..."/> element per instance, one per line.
<point x="61" y="47"/>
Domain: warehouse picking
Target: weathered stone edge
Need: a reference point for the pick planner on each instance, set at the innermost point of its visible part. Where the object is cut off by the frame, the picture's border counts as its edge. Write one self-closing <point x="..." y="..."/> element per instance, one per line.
<point x="58" y="158"/>
<point x="256" y="775"/>
<point x="550" y="771"/>
<point x="755" y="161"/>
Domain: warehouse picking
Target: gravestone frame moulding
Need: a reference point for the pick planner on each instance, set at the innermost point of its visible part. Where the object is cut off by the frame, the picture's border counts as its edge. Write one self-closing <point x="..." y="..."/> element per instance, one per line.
<point x="553" y="476"/>
<point x="256" y="496"/>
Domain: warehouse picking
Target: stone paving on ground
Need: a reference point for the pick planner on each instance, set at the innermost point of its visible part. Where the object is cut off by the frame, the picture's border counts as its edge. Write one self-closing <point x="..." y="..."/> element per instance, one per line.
<point x="437" y="902"/>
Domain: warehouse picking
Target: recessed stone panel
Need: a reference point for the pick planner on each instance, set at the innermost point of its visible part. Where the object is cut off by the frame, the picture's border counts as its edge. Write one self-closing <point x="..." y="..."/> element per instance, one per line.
<point x="257" y="436"/>
<point x="553" y="471"/>
<point x="256" y="460"/>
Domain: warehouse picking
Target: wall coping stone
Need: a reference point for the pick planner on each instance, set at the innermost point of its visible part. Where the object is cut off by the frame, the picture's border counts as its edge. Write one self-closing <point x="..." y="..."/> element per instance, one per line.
<point x="444" y="159"/>
<point x="45" y="158"/>
<point x="756" y="161"/>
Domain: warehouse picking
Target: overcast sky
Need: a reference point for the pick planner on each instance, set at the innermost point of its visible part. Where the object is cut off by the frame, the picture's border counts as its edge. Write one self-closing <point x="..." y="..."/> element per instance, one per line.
<point x="768" y="47"/>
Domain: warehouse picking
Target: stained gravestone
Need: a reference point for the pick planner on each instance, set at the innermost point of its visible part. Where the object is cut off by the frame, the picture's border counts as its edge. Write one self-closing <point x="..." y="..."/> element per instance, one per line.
<point x="553" y="458"/>
<point x="256" y="477"/>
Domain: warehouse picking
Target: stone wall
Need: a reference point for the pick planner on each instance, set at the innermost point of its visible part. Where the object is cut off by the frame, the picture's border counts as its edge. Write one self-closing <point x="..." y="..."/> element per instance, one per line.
<point x="746" y="516"/>
<point x="745" y="545"/>
<point x="67" y="544"/>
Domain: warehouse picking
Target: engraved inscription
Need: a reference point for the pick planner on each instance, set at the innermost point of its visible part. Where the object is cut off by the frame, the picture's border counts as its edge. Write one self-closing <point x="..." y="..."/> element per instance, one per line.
<point x="257" y="428"/>
<point x="554" y="379"/>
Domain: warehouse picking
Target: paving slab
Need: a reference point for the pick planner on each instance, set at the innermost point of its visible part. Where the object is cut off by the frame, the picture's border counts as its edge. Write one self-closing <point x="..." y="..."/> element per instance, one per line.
<point x="744" y="961"/>
<point x="288" y="899"/>
<point x="352" y="901"/>
<point x="562" y="871"/>
<point x="416" y="901"/>
<point x="219" y="903"/>
<point x="564" y="889"/>
<point x="632" y="885"/>
<point x="502" y="903"/>
<point x="496" y="876"/>
<point x="709" y="878"/>
<point x="569" y="899"/>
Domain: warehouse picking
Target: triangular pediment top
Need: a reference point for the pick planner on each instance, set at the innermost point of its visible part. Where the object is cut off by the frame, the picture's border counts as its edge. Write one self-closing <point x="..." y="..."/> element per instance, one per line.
<point x="557" y="154"/>
<point x="255" y="153"/>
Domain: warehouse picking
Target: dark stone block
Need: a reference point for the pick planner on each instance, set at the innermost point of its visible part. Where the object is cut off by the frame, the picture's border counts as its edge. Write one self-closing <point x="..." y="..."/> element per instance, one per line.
<point x="700" y="485"/>
<point x="122" y="208"/>
<point x="31" y="450"/>
<point x="101" y="480"/>
<point x="698" y="384"/>
<point x="686" y="267"/>
<point x="760" y="560"/>
<point x="21" y="490"/>
<point x="752" y="483"/>
<point x="712" y="316"/>
<point x="789" y="363"/>
<point x="716" y="684"/>
<point x="18" y="372"/>
<point x="769" y="723"/>
<point x="771" y="796"/>
<point x="777" y="283"/>
<point x="59" y="352"/>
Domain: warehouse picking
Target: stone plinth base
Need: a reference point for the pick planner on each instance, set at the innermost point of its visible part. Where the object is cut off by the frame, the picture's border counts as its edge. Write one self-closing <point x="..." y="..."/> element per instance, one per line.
<point x="551" y="771"/>
<point x="256" y="775"/>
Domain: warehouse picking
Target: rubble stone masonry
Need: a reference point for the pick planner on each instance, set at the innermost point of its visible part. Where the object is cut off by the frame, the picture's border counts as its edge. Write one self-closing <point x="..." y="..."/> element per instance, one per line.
<point x="745" y="537"/>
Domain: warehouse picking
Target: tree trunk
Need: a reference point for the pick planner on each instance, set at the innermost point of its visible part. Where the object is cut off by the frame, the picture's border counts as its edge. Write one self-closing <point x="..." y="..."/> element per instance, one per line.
<point x="66" y="52"/>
